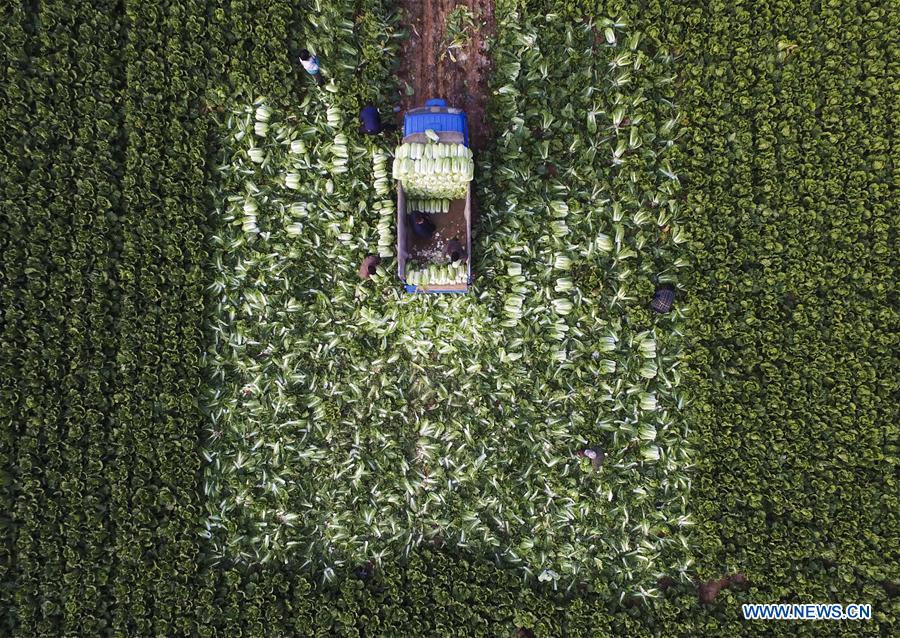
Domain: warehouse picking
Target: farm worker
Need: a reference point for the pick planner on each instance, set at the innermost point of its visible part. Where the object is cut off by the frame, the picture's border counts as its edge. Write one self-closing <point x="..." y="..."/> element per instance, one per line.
<point x="369" y="266"/>
<point x="455" y="250"/>
<point x="663" y="298"/>
<point x="365" y="572"/>
<point x="311" y="64"/>
<point x="371" y="122"/>
<point x="524" y="632"/>
<point x="422" y="226"/>
<point x="595" y="454"/>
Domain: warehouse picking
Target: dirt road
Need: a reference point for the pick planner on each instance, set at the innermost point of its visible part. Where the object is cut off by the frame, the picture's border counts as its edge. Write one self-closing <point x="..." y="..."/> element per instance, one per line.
<point x="428" y="68"/>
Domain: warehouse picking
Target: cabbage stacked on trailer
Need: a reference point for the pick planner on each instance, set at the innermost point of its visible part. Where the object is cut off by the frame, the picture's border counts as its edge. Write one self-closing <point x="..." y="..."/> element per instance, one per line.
<point x="434" y="170"/>
<point x="437" y="274"/>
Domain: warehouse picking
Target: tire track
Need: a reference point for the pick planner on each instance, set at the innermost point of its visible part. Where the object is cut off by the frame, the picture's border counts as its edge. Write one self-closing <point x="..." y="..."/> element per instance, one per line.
<point x="428" y="70"/>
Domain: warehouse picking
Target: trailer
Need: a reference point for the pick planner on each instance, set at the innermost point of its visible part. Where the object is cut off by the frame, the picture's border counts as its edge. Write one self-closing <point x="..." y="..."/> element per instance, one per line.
<point x="451" y="127"/>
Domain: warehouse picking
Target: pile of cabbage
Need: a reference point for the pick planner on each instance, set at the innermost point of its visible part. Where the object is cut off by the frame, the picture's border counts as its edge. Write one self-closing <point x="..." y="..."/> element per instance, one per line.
<point x="437" y="275"/>
<point x="431" y="206"/>
<point x="434" y="170"/>
<point x="385" y="206"/>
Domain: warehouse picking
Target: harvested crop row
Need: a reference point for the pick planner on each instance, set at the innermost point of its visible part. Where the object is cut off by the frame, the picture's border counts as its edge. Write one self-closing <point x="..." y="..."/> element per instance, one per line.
<point x="582" y="213"/>
<point x="301" y="199"/>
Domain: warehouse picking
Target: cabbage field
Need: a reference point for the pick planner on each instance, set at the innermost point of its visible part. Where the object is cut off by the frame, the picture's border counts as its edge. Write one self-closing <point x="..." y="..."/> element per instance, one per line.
<point x="212" y="426"/>
<point x="351" y="422"/>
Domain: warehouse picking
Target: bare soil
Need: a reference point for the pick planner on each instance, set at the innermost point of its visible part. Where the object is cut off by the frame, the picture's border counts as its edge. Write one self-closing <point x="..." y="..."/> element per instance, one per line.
<point x="427" y="66"/>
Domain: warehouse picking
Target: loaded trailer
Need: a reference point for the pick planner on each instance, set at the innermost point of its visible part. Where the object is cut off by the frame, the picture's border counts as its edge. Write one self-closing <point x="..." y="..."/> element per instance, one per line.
<point x="423" y="264"/>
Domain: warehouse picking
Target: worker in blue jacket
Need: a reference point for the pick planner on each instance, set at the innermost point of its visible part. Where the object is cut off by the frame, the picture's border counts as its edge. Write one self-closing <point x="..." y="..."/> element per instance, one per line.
<point x="422" y="226"/>
<point x="371" y="122"/>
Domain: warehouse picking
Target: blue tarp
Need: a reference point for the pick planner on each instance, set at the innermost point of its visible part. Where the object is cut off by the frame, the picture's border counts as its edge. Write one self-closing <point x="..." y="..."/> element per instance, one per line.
<point x="419" y="120"/>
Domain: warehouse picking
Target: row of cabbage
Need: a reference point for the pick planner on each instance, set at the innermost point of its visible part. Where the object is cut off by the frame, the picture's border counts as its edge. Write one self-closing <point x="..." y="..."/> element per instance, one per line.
<point x="794" y="325"/>
<point x="60" y="272"/>
<point x="103" y="194"/>
<point x="434" y="170"/>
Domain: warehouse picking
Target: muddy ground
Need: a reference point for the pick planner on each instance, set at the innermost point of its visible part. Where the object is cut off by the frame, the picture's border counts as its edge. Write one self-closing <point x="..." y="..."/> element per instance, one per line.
<point x="427" y="69"/>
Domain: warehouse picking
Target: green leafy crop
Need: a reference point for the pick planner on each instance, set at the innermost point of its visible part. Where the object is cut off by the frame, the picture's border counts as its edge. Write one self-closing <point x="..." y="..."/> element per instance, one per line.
<point x="350" y="422"/>
<point x="779" y="187"/>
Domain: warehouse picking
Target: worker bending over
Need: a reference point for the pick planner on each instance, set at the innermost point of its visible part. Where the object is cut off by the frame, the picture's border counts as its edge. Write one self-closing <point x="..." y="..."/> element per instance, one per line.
<point x="369" y="266"/>
<point x="311" y="64"/>
<point x="455" y="250"/>
<point x="371" y="122"/>
<point x="422" y="226"/>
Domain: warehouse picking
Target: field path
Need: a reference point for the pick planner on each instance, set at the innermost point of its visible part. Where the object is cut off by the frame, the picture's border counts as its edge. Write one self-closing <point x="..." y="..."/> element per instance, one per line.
<point x="428" y="68"/>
